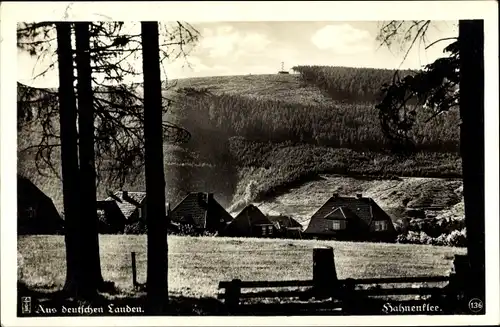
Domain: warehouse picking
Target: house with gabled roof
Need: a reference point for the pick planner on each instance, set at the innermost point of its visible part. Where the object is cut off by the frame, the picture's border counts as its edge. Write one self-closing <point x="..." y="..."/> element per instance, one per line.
<point x="250" y="222"/>
<point x="119" y="209"/>
<point x="202" y="211"/>
<point x="36" y="212"/>
<point x="286" y="226"/>
<point x="351" y="218"/>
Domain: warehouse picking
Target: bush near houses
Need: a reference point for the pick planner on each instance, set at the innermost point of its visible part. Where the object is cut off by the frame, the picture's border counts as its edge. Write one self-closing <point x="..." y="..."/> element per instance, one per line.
<point x="457" y="238"/>
<point x="430" y="231"/>
<point x="136" y="228"/>
<point x="446" y="231"/>
<point x="443" y="231"/>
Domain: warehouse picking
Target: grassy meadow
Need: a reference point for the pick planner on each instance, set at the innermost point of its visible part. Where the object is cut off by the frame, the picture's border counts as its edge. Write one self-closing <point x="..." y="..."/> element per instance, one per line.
<point x="198" y="264"/>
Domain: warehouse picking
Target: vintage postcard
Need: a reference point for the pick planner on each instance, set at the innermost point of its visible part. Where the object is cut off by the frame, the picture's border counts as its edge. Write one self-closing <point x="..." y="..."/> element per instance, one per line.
<point x="267" y="163"/>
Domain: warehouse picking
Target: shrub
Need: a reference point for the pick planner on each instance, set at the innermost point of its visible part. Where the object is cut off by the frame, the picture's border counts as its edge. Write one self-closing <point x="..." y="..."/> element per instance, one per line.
<point x="455" y="238"/>
<point x="189" y="230"/>
<point x="138" y="227"/>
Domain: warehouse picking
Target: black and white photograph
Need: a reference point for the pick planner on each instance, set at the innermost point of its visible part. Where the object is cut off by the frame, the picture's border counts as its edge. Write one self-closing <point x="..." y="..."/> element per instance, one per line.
<point x="222" y="167"/>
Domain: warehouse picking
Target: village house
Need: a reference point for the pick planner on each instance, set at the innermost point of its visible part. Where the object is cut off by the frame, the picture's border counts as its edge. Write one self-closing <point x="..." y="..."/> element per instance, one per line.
<point x="251" y="222"/>
<point x="36" y="213"/>
<point x="120" y="209"/>
<point x="201" y="211"/>
<point x="286" y="226"/>
<point x="351" y="218"/>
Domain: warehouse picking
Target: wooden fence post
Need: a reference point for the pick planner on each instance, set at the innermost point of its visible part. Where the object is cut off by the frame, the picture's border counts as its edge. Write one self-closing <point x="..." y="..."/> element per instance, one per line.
<point x="134" y="270"/>
<point x="462" y="272"/>
<point x="324" y="274"/>
<point x="233" y="293"/>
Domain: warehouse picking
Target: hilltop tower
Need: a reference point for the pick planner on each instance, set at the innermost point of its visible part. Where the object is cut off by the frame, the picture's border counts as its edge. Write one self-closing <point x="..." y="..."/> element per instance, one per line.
<point x="283" y="71"/>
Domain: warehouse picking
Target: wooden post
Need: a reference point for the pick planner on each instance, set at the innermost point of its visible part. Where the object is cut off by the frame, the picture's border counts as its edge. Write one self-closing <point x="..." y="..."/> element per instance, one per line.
<point x="233" y="293"/>
<point x="461" y="273"/>
<point x="471" y="47"/>
<point x="461" y="264"/>
<point x="457" y="288"/>
<point x="324" y="273"/>
<point x="134" y="270"/>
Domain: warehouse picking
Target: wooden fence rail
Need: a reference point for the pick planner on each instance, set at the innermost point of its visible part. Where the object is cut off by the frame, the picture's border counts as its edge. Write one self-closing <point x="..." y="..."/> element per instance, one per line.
<point x="263" y="284"/>
<point x="325" y="284"/>
<point x="396" y="280"/>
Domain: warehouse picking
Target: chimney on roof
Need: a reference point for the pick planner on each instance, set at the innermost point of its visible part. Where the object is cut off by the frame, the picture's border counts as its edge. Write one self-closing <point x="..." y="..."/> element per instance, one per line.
<point x="125" y="194"/>
<point x="359" y="196"/>
<point x="210" y="197"/>
<point x="335" y="195"/>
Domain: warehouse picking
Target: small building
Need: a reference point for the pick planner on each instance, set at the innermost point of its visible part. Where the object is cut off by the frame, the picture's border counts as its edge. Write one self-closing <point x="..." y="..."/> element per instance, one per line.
<point x="36" y="213"/>
<point x="201" y="211"/>
<point x="120" y="209"/>
<point x="351" y="218"/>
<point x="111" y="219"/>
<point x="251" y="222"/>
<point x="286" y="226"/>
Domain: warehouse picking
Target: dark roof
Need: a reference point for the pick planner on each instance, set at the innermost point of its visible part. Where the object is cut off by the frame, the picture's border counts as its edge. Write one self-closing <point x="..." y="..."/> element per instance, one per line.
<point x="28" y="192"/>
<point x="36" y="212"/>
<point x="364" y="208"/>
<point x="196" y="207"/>
<point x="284" y="221"/>
<point x="340" y="213"/>
<point x="253" y="215"/>
<point x="111" y="218"/>
<point x="247" y="222"/>
<point x="320" y="226"/>
<point x="361" y="211"/>
<point x="128" y="204"/>
<point x="111" y="207"/>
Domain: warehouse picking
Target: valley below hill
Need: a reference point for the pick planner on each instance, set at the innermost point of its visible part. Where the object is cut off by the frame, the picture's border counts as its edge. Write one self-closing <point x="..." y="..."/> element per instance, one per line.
<point x="285" y="143"/>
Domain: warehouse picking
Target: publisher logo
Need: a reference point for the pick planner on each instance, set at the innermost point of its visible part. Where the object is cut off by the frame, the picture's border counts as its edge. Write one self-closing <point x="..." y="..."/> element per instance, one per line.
<point x="476" y="305"/>
<point x="25" y="304"/>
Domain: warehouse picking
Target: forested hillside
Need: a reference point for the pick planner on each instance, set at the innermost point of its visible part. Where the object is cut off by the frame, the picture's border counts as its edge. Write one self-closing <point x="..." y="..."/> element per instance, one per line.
<point x="254" y="136"/>
<point x="340" y="125"/>
<point x="348" y="83"/>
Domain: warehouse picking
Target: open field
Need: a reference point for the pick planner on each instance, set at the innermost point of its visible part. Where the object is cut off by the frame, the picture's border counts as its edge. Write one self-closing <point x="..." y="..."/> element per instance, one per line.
<point x="197" y="264"/>
<point x="262" y="87"/>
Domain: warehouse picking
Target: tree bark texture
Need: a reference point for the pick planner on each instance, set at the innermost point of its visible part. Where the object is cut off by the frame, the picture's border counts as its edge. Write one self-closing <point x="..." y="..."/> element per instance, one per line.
<point x="77" y="283"/>
<point x="88" y="190"/>
<point x="471" y="40"/>
<point x="157" y="276"/>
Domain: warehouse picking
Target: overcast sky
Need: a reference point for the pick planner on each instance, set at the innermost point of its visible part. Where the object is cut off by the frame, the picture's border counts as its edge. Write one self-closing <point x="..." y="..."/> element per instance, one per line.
<point x="235" y="48"/>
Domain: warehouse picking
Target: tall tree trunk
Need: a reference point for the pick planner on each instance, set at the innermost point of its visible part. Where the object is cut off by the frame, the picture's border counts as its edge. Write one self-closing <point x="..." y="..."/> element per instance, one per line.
<point x="471" y="39"/>
<point x="157" y="276"/>
<point x="88" y="198"/>
<point x="76" y="281"/>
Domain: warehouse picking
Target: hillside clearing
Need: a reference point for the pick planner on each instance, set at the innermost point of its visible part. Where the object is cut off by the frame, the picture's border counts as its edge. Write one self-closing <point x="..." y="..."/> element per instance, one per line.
<point x="197" y="264"/>
<point x="264" y="87"/>
<point x="302" y="201"/>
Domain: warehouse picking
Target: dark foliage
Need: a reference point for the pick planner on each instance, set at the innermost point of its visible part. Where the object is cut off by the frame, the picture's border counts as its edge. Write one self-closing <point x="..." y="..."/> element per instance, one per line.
<point x="189" y="230"/>
<point x="137" y="228"/>
<point x="118" y="106"/>
<point x="344" y="125"/>
<point x="429" y="93"/>
<point x="347" y="84"/>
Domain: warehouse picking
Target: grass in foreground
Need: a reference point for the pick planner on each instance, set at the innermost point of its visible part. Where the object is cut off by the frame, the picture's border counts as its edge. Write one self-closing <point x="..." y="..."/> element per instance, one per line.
<point x="198" y="264"/>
